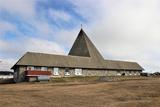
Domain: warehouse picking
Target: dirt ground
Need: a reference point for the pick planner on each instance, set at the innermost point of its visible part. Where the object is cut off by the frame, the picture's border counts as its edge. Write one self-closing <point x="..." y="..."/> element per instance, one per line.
<point x="133" y="93"/>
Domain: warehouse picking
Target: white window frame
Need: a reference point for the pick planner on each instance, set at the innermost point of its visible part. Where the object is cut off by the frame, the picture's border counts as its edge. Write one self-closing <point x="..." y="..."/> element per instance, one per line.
<point x="43" y="68"/>
<point x="119" y="74"/>
<point x="67" y="73"/>
<point x="39" y="68"/>
<point x="55" y="71"/>
<point x="78" y="72"/>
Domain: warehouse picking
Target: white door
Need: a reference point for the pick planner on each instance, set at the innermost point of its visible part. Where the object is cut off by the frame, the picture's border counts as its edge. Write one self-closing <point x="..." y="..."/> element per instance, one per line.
<point x="56" y="71"/>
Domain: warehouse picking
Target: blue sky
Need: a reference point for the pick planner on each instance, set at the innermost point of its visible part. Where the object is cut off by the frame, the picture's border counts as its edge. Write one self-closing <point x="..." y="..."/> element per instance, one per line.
<point x="43" y="21"/>
<point x="121" y="29"/>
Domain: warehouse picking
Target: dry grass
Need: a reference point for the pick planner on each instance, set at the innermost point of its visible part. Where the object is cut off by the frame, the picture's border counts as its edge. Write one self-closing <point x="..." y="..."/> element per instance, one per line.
<point x="133" y="93"/>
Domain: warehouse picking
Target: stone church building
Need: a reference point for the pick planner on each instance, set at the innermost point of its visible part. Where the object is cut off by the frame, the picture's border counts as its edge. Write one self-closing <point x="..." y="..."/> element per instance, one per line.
<point x="83" y="60"/>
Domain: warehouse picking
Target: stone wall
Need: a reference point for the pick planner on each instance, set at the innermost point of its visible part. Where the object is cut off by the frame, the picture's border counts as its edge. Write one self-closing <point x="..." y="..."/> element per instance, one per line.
<point x="85" y="72"/>
<point x="21" y="74"/>
<point x="92" y="72"/>
<point x="62" y="72"/>
<point x="16" y="74"/>
<point x="88" y="72"/>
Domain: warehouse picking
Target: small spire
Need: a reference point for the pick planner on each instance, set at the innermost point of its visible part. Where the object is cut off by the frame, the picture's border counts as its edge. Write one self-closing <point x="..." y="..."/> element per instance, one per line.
<point x="81" y="26"/>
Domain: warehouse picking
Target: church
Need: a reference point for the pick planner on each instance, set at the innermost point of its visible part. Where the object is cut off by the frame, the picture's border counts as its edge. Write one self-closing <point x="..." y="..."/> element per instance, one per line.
<point x="83" y="60"/>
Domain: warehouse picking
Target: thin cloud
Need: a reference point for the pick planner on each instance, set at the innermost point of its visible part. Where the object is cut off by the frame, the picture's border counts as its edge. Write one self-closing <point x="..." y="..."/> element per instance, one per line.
<point x="25" y="8"/>
<point x="59" y="15"/>
<point x="5" y="27"/>
<point x="44" y="46"/>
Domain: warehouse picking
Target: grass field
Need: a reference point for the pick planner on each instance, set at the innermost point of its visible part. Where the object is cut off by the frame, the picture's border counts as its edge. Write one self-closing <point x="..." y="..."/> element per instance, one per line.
<point x="133" y="93"/>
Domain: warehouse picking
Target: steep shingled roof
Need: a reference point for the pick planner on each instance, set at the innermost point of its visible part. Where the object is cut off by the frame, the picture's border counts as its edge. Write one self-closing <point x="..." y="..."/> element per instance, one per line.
<point x="83" y="54"/>
<point x="84" y="47"/>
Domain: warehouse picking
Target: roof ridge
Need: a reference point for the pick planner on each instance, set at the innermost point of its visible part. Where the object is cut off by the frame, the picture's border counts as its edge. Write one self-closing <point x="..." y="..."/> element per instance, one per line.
<point x="55" y="54"/>
<point x="120" y="61"/>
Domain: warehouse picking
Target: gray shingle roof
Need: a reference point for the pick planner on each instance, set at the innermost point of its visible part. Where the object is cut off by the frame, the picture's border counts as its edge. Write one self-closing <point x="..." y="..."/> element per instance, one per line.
<point x="122" y="65"/>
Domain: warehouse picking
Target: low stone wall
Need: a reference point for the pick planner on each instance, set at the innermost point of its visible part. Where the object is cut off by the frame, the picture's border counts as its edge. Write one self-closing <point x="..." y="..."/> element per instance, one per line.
<point x="89" y="72"/>
<point x="99" y="79"/>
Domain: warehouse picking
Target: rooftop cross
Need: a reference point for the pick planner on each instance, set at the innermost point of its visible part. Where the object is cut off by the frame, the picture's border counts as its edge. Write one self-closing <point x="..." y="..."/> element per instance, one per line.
<point x="81" y="26"/>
